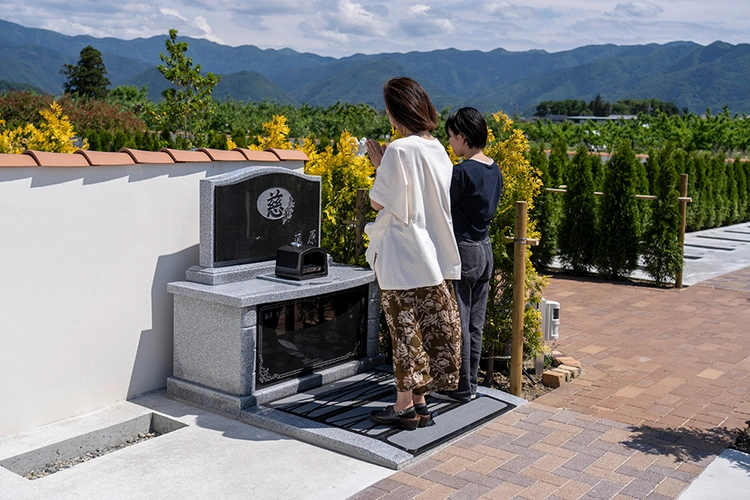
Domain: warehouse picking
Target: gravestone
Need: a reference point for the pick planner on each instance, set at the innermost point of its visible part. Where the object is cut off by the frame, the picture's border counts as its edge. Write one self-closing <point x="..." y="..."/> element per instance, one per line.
<point x="255" y="217"/>
<point x="243" y="335"/>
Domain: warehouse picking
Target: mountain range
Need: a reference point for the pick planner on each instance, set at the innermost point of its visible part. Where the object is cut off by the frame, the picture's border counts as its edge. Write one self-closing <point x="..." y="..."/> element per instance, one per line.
<point x="688" y="74"/>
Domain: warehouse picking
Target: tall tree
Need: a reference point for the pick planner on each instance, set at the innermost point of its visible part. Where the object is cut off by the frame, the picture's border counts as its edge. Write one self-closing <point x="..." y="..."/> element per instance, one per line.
<point x="87" y="79"/>
<point x="188" y="105"/>
<point x="619" y="218"/>
<point x="577" y="236"/>
<point x="662" y="253"/>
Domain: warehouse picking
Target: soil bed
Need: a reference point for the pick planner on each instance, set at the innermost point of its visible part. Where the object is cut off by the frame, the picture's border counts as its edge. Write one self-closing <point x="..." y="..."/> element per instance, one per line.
<point x="531" y="385"/>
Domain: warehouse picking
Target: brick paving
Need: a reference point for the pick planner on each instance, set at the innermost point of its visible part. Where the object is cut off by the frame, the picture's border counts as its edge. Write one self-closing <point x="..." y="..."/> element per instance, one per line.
<point x="665" y="388"/>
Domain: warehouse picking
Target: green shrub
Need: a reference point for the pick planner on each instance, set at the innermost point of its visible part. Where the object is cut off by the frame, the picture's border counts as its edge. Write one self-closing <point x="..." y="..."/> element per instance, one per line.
<point x="577" y="236"/>
<point x="619" y="219"/>
<point x="662" y="253"/>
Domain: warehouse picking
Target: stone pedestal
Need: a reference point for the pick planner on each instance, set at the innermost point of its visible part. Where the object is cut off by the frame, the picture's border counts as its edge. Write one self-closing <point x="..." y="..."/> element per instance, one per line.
<point x="216" y="332"/>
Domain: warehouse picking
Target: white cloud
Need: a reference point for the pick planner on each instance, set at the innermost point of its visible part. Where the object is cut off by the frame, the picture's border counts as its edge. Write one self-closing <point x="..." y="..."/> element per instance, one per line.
<point x="172" y="13"/>
<point x="422" y="21"/>
<point x="636" y="8"/>
<point x="344" y="27"/>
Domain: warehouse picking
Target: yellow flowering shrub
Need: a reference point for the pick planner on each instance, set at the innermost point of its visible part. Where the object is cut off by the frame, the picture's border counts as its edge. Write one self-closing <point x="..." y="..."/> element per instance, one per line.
<point x="522" y="182"/>
<point x="276" y="135"/>
<point x="342" y="172"/>
<point x="55" y="134"/>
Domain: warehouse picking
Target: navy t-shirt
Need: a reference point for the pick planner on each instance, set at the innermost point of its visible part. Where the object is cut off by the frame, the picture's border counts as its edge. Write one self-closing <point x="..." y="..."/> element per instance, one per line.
<point x="475" y="193"/>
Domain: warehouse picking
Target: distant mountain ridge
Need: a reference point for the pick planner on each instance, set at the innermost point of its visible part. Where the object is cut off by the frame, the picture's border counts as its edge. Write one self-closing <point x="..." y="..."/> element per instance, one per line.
<point x="690" y="75"/>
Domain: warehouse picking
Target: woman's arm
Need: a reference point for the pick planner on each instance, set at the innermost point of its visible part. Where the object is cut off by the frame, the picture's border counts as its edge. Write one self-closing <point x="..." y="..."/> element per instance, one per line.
<point x="375" y="151"/>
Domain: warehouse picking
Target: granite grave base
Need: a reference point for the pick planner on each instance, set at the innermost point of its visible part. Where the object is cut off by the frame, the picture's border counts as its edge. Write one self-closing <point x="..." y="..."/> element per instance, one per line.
<point x="336" y="417"/>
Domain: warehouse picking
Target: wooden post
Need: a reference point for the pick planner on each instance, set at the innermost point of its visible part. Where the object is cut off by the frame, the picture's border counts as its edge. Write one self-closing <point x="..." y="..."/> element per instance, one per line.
<point x="683" y="222"/>
<point x="519" y="299"/>
<point x="359" y="223"/>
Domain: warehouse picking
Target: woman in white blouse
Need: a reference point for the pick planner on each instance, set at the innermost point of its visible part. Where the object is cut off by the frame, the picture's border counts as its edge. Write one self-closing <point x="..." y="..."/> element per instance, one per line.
<point x="413" y="252"/>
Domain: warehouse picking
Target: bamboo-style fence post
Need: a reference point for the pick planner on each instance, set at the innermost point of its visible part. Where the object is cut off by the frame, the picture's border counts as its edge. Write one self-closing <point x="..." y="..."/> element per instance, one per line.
<point x="683" y="222"/>
<point x="519" y="296"/>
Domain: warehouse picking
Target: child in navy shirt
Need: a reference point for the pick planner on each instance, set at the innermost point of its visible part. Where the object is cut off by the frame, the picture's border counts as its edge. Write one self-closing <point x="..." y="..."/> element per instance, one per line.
<point x="476" y="186"/>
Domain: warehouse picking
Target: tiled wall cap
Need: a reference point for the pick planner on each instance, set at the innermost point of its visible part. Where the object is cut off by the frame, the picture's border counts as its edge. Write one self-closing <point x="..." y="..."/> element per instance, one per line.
<point x="180" y="156"/>
<point x="254" y="155"/>
<point x="106" y="159"/>
<point x="47" y="159"/>
<point x="223" y="155"/>
<point x="152" y="157"/>
<point x="289" y="154"/>
<point x="7" y="160"/>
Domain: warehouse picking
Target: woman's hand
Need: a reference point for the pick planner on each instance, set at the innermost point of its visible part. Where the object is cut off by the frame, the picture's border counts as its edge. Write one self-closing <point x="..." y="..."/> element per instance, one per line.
<point x="375" y="151"/>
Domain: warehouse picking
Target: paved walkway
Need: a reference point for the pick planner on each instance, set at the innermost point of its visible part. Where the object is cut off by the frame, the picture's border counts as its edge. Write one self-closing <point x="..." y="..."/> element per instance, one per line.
<point x="665" y="388"/>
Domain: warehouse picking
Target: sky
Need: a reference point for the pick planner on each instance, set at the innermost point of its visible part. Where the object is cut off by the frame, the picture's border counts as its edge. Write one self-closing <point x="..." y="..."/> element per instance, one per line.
<point x="341" y="28"/>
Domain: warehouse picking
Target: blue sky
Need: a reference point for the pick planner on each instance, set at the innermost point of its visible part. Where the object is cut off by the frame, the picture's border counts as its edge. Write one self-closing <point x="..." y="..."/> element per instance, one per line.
<point x="344" y="27"/>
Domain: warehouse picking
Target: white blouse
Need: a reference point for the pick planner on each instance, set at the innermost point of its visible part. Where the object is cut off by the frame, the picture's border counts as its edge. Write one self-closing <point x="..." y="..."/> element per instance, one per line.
<point x="411" y="241"/>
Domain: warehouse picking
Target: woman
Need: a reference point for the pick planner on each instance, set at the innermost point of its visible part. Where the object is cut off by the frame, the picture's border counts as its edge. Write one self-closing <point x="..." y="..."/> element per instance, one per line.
<point x="413" y="252"/>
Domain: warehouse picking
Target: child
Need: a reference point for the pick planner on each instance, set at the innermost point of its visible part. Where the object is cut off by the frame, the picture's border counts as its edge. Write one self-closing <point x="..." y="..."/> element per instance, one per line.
<point x="476" y="186"/>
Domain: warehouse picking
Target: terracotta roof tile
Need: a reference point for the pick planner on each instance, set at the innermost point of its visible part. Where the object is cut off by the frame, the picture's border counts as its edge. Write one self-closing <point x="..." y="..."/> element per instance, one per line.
<point x="7" y="160"/>
<point x="289" y="154"/>
<point x="223" y="155"/>
<point x="105" y="159"/>
<point x="153" y="157"/>
<point x="180" y="156"/>
<point x="254" y="155"/>
<point x="46" y="159"/>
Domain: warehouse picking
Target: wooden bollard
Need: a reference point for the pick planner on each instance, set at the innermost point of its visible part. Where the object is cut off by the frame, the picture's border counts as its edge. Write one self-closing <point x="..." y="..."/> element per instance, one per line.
<point x="683" y="222"/>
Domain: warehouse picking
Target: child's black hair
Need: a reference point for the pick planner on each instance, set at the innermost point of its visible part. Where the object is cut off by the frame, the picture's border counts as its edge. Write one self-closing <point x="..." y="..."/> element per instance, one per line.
<point x="469" y="123"/>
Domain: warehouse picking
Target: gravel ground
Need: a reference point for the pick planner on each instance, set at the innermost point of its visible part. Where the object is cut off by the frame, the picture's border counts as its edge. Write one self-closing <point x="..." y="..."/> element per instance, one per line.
<point x="59" y="465"/>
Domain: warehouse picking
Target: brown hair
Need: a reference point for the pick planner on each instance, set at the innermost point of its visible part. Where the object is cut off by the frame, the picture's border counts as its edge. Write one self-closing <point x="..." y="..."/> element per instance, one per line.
<point x="409" y="105"/>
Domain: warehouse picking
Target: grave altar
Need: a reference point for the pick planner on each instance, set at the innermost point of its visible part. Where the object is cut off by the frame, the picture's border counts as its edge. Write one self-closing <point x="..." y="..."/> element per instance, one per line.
<point x="244" y="335"/>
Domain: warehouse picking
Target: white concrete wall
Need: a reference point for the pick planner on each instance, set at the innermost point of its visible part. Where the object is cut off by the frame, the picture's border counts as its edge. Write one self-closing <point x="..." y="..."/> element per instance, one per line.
<point x="86" y="255"/>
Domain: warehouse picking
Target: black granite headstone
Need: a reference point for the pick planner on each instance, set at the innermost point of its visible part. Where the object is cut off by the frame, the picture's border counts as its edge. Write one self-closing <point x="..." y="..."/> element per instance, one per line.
<point x="255" y="217"/>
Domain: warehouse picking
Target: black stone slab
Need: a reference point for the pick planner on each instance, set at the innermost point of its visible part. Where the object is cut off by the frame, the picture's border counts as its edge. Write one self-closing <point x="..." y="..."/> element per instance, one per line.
<point x="296" y="337"/>
<point x="255" y="217"/>
<point x="347" y="405"/>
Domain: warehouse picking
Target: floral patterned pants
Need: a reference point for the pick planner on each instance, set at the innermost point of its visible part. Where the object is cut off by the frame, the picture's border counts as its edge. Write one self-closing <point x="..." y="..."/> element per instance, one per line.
<point x="426" y="337"/>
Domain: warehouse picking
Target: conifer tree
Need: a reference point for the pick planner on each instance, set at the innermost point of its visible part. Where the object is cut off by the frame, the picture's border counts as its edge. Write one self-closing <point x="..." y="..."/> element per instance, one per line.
<point x="577" y="237"/>
<point x="742" y="190"/>
<point x="619" y="225"/>
<point x="558" y="162"/>
<point x="87" y="79"/>
<point x="544" y="212"/>
<point x="662" y="254"/>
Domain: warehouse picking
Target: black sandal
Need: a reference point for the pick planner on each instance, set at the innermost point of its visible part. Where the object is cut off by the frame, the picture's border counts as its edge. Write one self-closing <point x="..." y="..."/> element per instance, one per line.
<point x="423" y="413"/>
<point x="405" y="419"/>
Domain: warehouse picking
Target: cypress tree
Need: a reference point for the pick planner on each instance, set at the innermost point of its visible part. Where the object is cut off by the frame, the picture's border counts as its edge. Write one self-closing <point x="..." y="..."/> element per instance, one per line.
<point x="577" y="237"/>
<point x="619" y="226"/>
<point x="733" y="208"/>
<point x="721" y="190"/>
<point x="597" y="171"/>
<point x="662" y="253"/>
<point x="558" y="162"/>
<point x="743" y="184"/>
<point x="543" y="212"/>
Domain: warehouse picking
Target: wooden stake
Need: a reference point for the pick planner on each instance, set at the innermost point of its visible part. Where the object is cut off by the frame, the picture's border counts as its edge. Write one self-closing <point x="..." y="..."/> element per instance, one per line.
<point x="519" y="299"/>
<point x="683" y="222"/>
